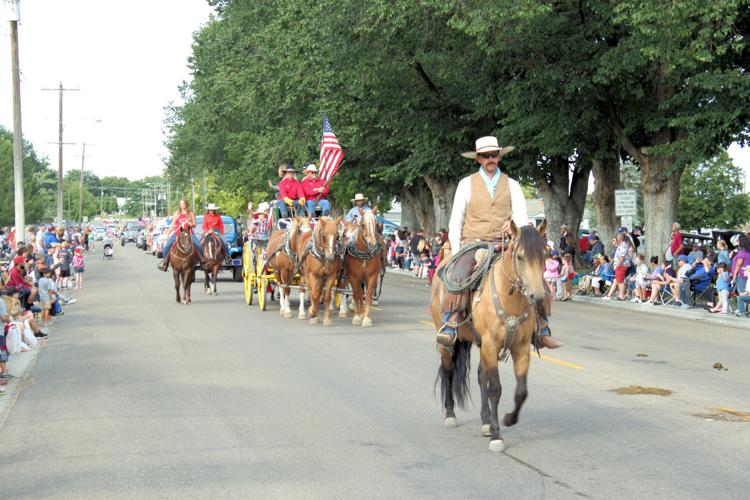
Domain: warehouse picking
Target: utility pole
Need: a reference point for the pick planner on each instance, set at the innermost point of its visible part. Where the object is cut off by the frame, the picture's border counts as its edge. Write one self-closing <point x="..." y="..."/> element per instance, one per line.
<point x="20" y="214"/>
<point x="192" y="183"/>
<point x="80" y="187"/>
<point x="101" y="201"/>
<point x="205" y="200"/>
<point x="168" y="199"/>
<point x="60" y="90"/>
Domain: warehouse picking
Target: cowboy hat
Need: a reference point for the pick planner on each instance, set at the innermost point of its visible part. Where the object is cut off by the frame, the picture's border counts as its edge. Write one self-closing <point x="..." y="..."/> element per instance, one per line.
<point x="212" y="206"/>
<point x="359" y="197"/>
<point x="486" y="144"/>
<point x="263" y="208"/>
<point x="310" y="167"/>
<point x="289" y="168"/>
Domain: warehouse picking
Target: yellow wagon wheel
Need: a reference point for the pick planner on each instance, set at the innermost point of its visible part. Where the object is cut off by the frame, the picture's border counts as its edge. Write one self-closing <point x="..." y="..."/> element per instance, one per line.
<point x="337" y="296"/>
<point x="262" y="288"/>
<point x="248" y="273"/>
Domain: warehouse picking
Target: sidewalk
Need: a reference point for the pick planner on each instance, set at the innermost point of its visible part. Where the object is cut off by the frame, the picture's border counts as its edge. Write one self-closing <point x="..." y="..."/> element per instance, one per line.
<point x="18" y="366"/>
<point x="696" y="314"/>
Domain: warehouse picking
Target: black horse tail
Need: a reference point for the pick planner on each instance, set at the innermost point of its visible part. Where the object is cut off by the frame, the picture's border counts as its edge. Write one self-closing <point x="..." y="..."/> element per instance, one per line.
<point x="455" y="379"/>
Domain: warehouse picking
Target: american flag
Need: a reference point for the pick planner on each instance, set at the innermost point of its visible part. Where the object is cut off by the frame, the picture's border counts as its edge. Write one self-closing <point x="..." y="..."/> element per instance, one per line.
<point x="331" y="154"/>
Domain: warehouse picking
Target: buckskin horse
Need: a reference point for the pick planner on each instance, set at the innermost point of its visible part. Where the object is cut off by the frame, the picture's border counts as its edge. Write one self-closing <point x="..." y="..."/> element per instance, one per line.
<point x="504" y="318"/>
<point x="282" y="257"/>
<point x="182" y="259"/>
<point x="363" y="263"/>
<point x="320" y="259"/>
<point x="214" y="254"/>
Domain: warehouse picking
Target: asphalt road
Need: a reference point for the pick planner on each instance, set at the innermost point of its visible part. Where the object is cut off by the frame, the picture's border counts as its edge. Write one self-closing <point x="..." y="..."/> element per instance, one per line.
<point x="136" y="396"/>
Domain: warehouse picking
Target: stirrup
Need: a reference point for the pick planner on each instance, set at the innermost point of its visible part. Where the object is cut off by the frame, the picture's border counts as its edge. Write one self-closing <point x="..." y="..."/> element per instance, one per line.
<point x="444" y="330"/>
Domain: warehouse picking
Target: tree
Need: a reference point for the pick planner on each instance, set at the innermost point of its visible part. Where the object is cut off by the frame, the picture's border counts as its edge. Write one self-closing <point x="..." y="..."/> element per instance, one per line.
<point x="711" y="195"/>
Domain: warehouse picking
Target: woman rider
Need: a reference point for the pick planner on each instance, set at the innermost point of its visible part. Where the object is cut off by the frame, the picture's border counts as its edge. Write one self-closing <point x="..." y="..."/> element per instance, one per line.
<point x="182" y="215"/>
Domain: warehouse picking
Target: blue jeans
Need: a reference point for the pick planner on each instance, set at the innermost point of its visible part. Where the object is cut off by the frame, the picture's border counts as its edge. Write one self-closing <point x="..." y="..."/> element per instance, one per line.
<point x="740" y="282"/>
<point x="170" y="242"/>
<point x="284" y="209"/>
<point x="223" y="243"/>
<point x="742" y="301"/>
<point x="325" y="207"/>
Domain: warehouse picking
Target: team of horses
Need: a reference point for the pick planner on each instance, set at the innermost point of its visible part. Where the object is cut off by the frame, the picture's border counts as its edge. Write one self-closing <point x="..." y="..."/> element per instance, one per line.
<point x="502" y="320"/>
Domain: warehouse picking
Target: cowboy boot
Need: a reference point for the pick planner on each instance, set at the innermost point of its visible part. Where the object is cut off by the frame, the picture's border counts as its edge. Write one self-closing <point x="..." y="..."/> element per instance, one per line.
<point x="164" y="264"/>
<point x="546" y="340"/>
<point x="447" y="334"/>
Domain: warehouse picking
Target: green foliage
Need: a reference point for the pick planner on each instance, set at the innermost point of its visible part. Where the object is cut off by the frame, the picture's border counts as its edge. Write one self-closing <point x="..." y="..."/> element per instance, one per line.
<point x="711" y="195"/>
<point x="36" y="187"/>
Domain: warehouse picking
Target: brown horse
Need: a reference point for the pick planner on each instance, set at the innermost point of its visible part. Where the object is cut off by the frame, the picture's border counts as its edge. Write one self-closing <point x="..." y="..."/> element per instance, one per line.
<point x="320" y="259"/>
<point x="182" y="259"/>
<point x="504" y="315"/>
<point x="363" y="264"/>
<point x="282" y="258"/>
<point x="214" y="253"/>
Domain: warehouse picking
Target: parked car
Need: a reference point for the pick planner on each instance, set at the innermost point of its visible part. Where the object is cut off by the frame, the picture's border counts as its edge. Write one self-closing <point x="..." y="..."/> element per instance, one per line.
<point x="233" y="237"/>
<point x="129" y="233"/>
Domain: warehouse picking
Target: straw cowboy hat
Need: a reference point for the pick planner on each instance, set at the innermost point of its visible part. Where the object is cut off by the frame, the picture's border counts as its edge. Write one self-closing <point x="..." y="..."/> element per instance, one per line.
<point x="310" y="167"/>
<point x="290" y="168"/>
<point x="212" y="206"/>
<point x="359" y="197"/>
<point x="263" y="208"/>
<point x="485" y="145"/>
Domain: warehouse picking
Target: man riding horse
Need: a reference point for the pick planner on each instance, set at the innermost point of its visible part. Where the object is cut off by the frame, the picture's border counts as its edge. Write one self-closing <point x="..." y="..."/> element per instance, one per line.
<point x="358" y="210"/>
<point x="484" y="205"/>
<point x="212" y="222"/>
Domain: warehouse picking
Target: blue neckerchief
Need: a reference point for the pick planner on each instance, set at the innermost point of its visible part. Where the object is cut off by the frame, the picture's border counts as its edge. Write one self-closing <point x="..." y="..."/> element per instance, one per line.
<point x="490" y="183"/>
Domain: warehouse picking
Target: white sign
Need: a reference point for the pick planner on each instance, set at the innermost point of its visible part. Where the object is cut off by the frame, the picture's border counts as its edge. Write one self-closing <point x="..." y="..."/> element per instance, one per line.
<point x="627" y="221"/>
<point x="626" y="202"/>
<point x="12" y="10"/>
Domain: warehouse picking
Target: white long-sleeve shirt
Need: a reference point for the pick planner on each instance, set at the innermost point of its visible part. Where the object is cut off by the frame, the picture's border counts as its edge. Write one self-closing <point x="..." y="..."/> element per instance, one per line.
<point x="461" y="201"/>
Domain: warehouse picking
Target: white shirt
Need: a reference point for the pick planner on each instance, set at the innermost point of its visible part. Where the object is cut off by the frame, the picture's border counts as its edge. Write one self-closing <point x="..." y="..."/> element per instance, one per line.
<point x="461" y="201"/>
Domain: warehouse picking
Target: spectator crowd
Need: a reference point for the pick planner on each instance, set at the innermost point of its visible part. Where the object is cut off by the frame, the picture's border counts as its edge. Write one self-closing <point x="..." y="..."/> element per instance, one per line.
<point x="36" y="274"/>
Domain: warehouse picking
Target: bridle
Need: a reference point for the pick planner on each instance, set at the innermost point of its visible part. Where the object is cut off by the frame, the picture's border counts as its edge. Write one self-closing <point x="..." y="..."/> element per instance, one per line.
<point x="372" y="250"/>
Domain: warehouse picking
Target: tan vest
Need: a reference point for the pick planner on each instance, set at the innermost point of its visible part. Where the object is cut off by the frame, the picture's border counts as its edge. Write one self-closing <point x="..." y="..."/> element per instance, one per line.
<point x="485" y="217"/>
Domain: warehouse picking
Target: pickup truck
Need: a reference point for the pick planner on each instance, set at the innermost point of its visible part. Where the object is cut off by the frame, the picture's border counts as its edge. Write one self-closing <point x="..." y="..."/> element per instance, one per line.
<point x="233" y="237"/>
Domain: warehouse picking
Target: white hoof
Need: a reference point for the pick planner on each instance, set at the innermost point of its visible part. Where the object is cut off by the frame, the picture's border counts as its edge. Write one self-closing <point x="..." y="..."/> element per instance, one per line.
<point x="375" y="302"/>
<point x="367" y="322"/>
<point x="287" y="314"/>
<point x="356" y="321"/>
<point x="351" y="306"/>
<point x="302" y="316"/>
<point x="497" y="445"/>
<point x="327" y="322"/>
<point x="450" y="422"/>
<point x="343" y="314"/>
<point x="486" y="430"/>
<point x="185" y="302"/>
<point x="314" y="321"/>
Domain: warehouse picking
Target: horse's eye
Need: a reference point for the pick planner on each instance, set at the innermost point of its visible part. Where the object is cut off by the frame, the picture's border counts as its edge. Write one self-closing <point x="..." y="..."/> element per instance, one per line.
<point x="519" y="257"/>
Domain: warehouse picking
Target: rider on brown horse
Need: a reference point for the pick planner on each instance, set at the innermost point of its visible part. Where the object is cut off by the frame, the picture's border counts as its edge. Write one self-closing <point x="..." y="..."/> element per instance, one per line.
<point x="483" y="207"/>
<point x="212" y="222"/>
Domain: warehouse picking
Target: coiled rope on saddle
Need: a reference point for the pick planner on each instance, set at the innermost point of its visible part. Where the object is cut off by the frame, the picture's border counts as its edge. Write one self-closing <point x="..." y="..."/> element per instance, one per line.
<point x="480" y="269"/>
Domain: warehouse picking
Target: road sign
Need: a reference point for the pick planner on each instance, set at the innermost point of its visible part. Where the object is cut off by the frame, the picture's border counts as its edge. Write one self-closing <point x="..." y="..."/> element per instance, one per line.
<point x="626" y="202"/>
<point x="627" y="221"/>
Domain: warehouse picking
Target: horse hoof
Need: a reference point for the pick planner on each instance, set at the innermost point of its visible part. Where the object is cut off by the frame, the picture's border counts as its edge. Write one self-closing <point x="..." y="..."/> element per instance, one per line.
<point x="366" y="322"/>
<point x="356" y="321"/>
<point x="509" y="421"/>
<point x="375" y="302"/>
<point x="450" y="422"/>
<point x="327" y="322"/>
<point x="486" y="430"/>
<point x="351" y="306"/>
<point x="343" y="314"/>
<point x="302" y="316"/>
<point x="497" y="445"/>
<point x="287" y="314"/>
<point x="185" y="302"/>
<point x="314" y="321"/>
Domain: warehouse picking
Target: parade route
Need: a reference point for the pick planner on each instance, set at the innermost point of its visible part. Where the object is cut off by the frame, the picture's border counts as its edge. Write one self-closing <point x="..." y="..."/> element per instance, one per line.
<point x="134" y="395"/>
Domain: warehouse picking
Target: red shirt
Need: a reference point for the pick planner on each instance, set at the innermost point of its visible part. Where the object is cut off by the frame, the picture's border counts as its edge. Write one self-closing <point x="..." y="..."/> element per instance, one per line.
<point x="212" y="221"/>
<point x="309" y="185"/>
<point x="583" y="243"/>
<point x="290" y="188"/>
<point x="676" y="243"/>
<point x="16" y="279"/>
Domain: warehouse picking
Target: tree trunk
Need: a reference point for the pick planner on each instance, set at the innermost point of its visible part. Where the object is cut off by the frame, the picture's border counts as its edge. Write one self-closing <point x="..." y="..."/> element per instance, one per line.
<point x="408" y="212"/>
<point x="564" y="197"/>
<point x="443" y="192"/>
<point x="420" y="200"/>
<point x="661" y="192"/>
<point x="606" y="180"/>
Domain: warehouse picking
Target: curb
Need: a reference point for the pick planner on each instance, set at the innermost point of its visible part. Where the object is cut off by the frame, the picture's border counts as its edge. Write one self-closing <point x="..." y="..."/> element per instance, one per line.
<point x="20" y="366"/>
<point x="694" y="314"/>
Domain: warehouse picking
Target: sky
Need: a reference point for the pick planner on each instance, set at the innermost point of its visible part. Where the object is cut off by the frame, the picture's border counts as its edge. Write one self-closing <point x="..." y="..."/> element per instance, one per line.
<point x="127" y="58"/>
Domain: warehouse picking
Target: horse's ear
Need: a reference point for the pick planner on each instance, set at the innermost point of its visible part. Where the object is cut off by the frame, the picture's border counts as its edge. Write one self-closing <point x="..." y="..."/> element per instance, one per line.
<point x="514" y="229"/>
<point x="543" y="228"/>
<point x="375" y="210"/>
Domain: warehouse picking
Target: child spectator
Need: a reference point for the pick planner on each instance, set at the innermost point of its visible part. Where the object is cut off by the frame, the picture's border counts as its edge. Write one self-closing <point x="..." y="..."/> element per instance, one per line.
<point x="46" y="294"/>
<point x="723" y="256"/>
<point x="64" y="257"/>
<point x="722" y="287"/>
<point x="78" y="267"/>
<point x="552" y="272"/>
<point x="640" y="279"/>
<point x="567" y="274"/>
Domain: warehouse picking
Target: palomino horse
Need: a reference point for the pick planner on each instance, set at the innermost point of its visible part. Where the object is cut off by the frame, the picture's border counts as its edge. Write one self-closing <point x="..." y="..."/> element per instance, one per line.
<point x="182" y="259"/>
<point x="363" y="264"/>
<point x="504" y="315"/>
<point x="214" y="254"/>
<point x="320" y="259"/>
<point x="282" y="258"/>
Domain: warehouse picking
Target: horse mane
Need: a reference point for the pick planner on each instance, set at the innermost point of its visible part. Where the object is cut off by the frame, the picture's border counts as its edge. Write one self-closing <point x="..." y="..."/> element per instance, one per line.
<point x="532" y="243"/>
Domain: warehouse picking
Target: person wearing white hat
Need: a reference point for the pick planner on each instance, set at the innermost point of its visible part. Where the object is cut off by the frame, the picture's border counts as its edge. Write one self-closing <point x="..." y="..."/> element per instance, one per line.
<point x="212" y="222"/>
<point x="290" y="193"/>
<point x="484" y="205"/>
<point x="359" y="208"/>
<point x="315" y="191"/>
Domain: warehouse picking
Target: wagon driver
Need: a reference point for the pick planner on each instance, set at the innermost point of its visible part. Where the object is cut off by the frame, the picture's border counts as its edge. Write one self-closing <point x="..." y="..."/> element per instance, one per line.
<point x="483" y="207"/>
